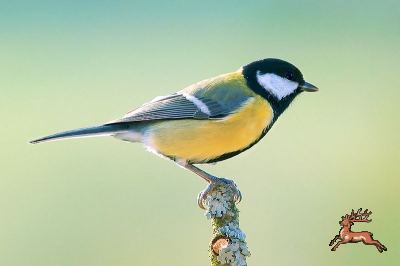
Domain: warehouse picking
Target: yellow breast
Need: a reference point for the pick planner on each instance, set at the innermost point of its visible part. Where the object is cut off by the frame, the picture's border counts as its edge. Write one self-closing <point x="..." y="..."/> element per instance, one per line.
<point x="202" y="140"/>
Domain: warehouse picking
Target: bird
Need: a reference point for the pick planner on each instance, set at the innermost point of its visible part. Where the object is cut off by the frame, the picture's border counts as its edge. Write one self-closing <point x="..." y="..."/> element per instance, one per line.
<point x="209" y="121"/>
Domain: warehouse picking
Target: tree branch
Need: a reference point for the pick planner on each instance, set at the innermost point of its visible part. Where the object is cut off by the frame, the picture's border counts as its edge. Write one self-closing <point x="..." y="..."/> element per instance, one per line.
<point x="228" y="245"/>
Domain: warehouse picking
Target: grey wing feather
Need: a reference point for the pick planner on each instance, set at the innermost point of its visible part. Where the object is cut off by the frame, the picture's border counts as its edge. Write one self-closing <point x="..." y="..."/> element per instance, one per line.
<point x="174" y="106"/>
<point x="178" y="106"/>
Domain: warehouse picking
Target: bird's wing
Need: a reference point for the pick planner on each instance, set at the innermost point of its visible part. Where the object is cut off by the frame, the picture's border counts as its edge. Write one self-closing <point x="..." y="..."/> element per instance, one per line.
<point x="210" y="99"/>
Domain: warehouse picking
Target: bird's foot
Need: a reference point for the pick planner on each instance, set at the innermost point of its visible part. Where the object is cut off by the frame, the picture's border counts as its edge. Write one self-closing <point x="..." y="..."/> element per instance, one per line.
<point x="219" y="181"/>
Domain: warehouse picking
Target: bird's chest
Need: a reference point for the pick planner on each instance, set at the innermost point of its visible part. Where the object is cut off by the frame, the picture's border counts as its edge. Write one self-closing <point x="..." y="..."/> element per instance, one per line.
<point x="201" y="140"/>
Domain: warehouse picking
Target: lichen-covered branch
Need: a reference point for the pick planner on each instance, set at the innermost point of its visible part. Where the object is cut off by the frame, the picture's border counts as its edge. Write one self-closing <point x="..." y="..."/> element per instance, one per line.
<point x="228" y="245"/>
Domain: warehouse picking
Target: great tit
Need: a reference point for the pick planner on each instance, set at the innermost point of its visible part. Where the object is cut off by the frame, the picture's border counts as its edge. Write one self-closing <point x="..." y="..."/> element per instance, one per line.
<point x="209" y="121"/>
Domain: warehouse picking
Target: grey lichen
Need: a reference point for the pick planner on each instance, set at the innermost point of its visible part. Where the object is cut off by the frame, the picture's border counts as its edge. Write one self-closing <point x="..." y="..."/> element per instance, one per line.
<point x="236" y="252"/>
<point x="224" y="216"/>
<point x="217" y="203"/>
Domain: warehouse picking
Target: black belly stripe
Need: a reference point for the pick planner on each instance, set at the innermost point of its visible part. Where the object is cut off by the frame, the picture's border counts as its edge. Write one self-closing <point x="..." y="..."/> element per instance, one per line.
<point x="234" y="153"/>
<point x="278" y="108"/>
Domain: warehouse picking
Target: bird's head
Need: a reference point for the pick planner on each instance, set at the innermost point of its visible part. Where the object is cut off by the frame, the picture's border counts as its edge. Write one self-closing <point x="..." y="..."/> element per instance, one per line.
<point x="276" y="80"/>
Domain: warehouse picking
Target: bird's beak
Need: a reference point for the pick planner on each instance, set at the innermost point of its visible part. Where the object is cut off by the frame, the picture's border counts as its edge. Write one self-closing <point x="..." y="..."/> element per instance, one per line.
<point x="308" y="87"/>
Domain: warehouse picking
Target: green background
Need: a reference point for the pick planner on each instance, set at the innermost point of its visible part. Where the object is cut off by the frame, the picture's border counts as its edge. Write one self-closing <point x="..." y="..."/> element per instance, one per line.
<point x="100" y="201"/>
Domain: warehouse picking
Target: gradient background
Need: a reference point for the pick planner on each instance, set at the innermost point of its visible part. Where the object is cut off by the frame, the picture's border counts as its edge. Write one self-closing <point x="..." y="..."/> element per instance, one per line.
<point x="100" y="201"/>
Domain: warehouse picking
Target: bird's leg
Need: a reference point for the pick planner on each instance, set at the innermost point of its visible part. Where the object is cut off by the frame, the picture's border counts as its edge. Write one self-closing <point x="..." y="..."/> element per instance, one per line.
<point x="213" y="181"/>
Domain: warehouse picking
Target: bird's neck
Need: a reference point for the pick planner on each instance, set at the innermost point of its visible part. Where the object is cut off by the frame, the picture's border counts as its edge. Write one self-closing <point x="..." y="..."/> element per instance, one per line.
<point x="279" y="106"/>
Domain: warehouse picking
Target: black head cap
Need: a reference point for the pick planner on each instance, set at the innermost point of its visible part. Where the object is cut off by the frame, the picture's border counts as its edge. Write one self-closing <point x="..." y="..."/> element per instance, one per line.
<point x="274" y="66"/>
<point x="280" y="68"/>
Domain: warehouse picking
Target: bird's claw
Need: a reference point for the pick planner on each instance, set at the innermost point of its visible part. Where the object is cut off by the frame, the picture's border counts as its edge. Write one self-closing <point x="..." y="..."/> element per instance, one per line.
<point x="202" y="196"/>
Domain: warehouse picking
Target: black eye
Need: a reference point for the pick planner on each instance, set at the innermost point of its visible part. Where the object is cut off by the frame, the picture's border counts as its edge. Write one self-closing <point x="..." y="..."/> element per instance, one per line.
<point x="289" y="75"/>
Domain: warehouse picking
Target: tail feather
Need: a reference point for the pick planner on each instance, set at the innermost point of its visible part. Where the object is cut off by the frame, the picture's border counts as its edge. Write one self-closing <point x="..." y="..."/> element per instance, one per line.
<point x="103" y="130"/>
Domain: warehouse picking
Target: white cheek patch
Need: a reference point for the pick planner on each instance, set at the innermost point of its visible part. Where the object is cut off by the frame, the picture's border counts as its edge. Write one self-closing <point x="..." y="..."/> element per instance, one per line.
<point x="199" y="104"/>
<point x="276" y="85"/>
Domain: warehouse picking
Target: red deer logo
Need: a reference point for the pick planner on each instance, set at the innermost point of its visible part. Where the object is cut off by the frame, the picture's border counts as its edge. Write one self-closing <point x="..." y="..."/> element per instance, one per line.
<point x="347" y="236"/>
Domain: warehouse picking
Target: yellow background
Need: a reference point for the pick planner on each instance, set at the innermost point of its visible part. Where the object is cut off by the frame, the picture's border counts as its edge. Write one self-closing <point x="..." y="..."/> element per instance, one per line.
<point x="100" y="201"/>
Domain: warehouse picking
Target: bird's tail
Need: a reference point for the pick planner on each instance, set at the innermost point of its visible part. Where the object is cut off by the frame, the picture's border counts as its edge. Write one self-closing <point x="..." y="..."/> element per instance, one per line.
<point x="103" y="130"/>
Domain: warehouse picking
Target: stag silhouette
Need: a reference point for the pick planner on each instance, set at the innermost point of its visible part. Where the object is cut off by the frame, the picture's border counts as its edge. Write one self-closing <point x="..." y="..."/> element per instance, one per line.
<point x="347" y="236"/>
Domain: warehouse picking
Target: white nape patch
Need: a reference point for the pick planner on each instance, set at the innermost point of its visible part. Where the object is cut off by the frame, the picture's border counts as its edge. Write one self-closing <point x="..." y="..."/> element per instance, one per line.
<point x="278" y="86"/>
<point x="202" y="106"/>
<point x="129" y="136"/>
